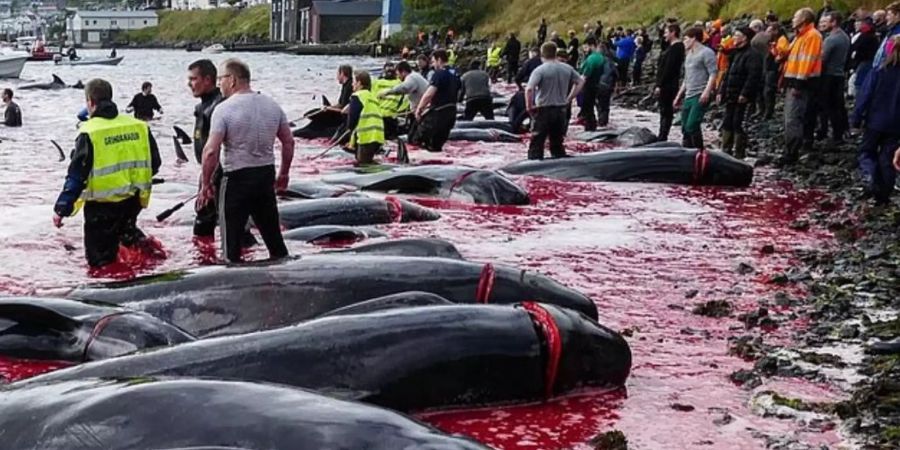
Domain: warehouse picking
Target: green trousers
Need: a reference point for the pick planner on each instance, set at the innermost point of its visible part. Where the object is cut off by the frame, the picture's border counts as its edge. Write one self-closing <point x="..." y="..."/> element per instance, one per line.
<point x="692" y="115"/>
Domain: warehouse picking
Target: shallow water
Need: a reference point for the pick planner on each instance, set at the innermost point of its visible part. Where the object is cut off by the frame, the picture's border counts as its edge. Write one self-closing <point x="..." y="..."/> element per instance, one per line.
<point x="636" y="249"/>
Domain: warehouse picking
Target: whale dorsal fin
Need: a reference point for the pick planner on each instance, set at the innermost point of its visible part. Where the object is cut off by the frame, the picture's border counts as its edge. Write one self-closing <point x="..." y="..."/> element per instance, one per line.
<point x="58" y="80"/>
<point x="325" y="101"/>
<point x="32" y="314"/>
<point x="389" y="302"/>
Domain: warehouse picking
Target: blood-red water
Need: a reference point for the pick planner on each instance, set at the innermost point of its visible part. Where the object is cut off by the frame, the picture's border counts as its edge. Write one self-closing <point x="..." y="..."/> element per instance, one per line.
<point x="636" y="249"/>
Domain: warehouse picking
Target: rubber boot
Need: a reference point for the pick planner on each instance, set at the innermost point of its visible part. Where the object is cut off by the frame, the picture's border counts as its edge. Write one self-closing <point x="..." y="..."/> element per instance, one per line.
<point x="687" y="140"/>
<point x="740" y="145"/>
<point x="697" y="138"/>
<point x="664" y="126"/>
<point x="728" y="141"/>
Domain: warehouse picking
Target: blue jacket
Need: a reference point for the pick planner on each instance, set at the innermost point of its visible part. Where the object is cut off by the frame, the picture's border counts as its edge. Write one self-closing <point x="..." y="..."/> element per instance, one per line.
<point x="878" y="104"/>
<point x="882" y="49"/>
<point x="625" y="48"/>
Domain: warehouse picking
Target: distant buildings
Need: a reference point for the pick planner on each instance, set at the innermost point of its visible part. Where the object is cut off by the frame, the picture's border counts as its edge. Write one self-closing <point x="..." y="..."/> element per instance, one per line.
<point x="94" y="28"/>
<point x="325" y="21"/>
<point x="391" y="15"/>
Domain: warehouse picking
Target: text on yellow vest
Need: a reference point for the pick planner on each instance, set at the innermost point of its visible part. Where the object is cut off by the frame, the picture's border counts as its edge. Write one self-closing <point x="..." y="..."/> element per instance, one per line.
<point x="122" y="163"/>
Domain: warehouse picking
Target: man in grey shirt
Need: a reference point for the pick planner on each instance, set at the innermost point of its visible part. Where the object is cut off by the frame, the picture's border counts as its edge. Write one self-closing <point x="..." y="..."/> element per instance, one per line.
<point x="247" y="123"/>
<point x="835" y="51"/>
<point x="549" y="92"/>
<point x="414" y="85"/>
<point x="699" y="78"/>
<point x="476" y="91"/>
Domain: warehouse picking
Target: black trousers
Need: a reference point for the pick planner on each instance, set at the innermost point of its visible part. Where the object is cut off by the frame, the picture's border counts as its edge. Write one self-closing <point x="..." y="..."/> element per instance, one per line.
<point x="208" y="216"/>
<point x="831" y="107"/>
<point x="666" y="110"/>
<point x="249" y="193"/>
<point x="604" y="97"/>
<point x="106" y="225"/>
<point x="734" y="117"/>
<point x="588" y="104"/>
<point x="483" y="106"/>
<point x="433" y="130"/>
<point x="770" y="92"/>
<point x="548" y="122"/>
<point x="512" y="68"/>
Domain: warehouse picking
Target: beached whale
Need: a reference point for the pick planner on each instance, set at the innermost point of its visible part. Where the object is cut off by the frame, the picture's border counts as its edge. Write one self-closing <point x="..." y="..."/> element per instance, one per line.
<point x="655" y="165"/>
<point x="418" y="247"/>
<point x="146" y="413"/>
<point x="352" y="211"/>
<point x="483" y="135"/>
<point x="476" y="185"/>
<point x="68" y="330"/>
<point x="219" y="300"/>
<point x="501" y="125"/>
<point x="406" y="359"/>
<point x="329" y="233"/>
<point x="629" y="137"/>
<point x="322" y="123"/>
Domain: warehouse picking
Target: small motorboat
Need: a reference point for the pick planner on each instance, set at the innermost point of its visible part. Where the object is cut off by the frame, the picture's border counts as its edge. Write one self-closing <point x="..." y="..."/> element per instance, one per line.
<point x="41" y="56"/>
<point x="215" y="48"/>
<point x="11" y="65"/>
<point x="105" y="61"/>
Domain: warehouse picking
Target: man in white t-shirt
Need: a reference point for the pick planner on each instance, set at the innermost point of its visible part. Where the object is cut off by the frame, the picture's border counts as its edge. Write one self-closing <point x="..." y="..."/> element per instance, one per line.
<point x="247" y="123"/>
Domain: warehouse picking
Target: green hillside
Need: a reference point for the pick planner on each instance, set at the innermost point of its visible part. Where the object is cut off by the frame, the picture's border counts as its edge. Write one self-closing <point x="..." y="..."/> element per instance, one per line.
<point x="213" y="25"/>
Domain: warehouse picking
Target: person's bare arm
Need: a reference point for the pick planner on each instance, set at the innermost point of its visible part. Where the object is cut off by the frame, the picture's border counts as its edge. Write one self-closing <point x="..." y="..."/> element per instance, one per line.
<point x="287" y="156"/>
<point x="426" y="101"/>
<point x="210" y="160"/>
<point x="576" y="88"/>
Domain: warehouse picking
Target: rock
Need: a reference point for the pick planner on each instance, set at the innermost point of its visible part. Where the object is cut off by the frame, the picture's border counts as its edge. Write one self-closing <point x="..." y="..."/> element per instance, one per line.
<point x="745" y="269"/>
<point x="691" y="294"/>
<point x="849" y="332"/>
<point x="746" y="378"/>
<point x="681" y="407"/>
<point x="713" y="308"/>
<point x="767" y="249"/>
<point x="799" y="225"/>
<point x="746" y="347"/>
<point x="755" y="318"/>
<point x="611" y="440"/>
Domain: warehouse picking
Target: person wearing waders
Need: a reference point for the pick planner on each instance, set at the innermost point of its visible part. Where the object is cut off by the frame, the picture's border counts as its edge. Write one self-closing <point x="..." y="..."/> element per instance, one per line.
<point x="246" y="123"/>
<point x="436" y="113"/>
<point x="699" y="77"/>
<point x="551" y="89"/>
<point x="110" y="175"/>
<point x="365" y="120"/>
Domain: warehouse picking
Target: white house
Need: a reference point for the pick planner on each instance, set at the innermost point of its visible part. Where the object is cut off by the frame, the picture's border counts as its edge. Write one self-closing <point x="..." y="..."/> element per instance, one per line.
<point x="94" y="28"/>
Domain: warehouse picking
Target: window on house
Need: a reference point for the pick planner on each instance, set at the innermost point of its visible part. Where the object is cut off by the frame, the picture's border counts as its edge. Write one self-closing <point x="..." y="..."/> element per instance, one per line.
<point x="113" y="22"/>
<point x="87" y="22"/>
<point x="95" y="22"/>
<point x="145" y="22"/>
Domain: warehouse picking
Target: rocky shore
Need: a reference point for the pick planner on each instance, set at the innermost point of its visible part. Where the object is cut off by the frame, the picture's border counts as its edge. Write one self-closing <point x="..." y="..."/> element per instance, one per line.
<point x="852" y="300"/>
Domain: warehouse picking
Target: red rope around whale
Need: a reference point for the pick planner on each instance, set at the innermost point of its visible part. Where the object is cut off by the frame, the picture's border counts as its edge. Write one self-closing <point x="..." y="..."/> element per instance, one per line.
<point x="98" y="328"/>
<point x="485" y="284"/>
<point x="554" y="343"/>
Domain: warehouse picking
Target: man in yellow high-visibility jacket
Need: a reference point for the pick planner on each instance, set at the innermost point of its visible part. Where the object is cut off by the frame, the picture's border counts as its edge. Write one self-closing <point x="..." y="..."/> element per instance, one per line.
<point x="111" y="172"/>
<point x="365" y="120"/>
<point x="493" y="61"/>
<point x="392" y="106"/>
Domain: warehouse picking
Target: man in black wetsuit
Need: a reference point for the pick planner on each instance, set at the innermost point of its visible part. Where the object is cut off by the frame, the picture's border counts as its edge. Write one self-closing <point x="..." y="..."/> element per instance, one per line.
<point x="345" y="78"/>
<point x="12" y="117"/>
<point x="202" y="81"/>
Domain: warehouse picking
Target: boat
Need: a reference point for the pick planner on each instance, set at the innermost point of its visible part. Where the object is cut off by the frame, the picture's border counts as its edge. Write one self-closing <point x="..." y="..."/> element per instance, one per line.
<point x="41" y="56"/>
<point x="105" y="61"/>
<point x="215" y="48"/>
<point x="11" y="65"/>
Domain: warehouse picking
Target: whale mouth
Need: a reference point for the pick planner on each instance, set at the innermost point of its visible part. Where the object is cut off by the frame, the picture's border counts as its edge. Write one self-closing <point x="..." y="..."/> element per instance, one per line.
<point x="551" y="343"/>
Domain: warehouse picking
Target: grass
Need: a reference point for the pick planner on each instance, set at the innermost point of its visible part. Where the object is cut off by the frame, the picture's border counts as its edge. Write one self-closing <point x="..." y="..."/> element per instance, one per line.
<point x="211" y="25"/>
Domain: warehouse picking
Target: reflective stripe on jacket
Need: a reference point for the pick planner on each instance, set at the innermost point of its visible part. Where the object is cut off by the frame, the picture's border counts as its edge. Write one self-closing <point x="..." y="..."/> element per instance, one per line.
<point x="122" y="162"/>
<point x="370" y="128"/>
<point x="805" y="58"/>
